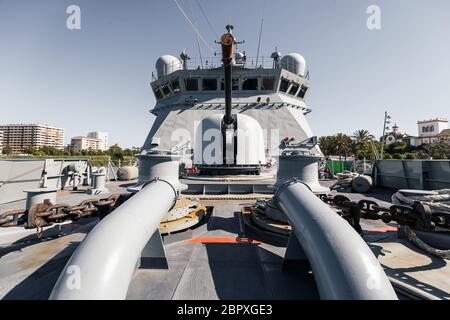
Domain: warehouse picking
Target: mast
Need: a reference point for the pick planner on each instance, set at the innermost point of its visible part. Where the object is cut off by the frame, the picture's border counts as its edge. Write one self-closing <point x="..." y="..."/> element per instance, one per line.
<point x="227" y="41"/>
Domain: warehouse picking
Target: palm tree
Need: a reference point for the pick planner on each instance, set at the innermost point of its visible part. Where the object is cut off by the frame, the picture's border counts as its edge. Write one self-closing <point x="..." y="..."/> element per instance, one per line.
<point x="362" y="136"/>
<point x="361" y="142"/>
<point x="342" y="145"/>
<point x="326" y="144"/>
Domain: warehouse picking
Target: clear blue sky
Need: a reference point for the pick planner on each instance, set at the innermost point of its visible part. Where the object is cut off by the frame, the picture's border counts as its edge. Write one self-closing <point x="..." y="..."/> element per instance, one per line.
<point x="97" y="78"/>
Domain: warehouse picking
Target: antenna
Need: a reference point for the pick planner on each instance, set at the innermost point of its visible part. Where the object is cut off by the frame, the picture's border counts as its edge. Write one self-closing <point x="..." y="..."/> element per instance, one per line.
<point x="260" y="35"/>
<point x="184" y="57"/>
<point x="276" y="57"/>
<point x="259" y="41"/>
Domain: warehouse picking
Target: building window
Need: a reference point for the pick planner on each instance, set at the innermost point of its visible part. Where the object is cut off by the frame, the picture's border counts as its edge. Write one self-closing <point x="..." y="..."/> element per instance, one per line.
<point x="250" y="84"/>
<point x="158" y="93"/>
<point x="284" y="85"/>
<point x="191" y="84"/>
<point x="175" y="86"/>
<point x="209" y="84"/>
<point x="302" y="92"/>
<point x="294" y="89"/>
<point x="268" y="83"/>
<point x="431" y="128"/>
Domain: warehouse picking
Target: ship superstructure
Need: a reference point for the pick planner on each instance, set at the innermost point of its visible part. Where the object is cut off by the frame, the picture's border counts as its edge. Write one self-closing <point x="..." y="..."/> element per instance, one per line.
<point x="273" y="93"/>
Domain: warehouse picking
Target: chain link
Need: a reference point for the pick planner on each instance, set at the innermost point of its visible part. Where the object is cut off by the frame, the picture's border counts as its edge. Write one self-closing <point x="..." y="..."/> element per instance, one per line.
<point x="418" y="216"/>
<point x="45" y="213"/>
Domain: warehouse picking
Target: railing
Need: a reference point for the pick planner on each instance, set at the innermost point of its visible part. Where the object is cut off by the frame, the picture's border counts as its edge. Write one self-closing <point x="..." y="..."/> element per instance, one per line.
<point x="213" y="62"/>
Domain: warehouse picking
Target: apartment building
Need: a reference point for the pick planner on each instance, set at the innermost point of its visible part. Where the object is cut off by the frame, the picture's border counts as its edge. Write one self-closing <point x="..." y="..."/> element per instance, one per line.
<point x="80" y="143"/>
<point x="20" y="136"/>
<point x="103" y="136"/>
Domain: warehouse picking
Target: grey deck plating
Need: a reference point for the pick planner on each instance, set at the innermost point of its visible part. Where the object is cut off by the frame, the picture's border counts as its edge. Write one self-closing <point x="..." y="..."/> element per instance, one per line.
<point x="217" y="268"/>
<point x="214" y="266"/>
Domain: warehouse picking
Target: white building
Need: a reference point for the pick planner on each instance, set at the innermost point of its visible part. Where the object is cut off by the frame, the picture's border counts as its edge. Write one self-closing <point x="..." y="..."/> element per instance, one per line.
<point x="103" y="136"/>
<point x="429" y="130"/>
<point x="80" y="143"/>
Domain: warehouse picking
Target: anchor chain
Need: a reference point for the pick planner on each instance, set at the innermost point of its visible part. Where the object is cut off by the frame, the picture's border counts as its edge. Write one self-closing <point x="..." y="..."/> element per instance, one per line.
<point x="418" y="216"/>
<point x="45" y="213"/>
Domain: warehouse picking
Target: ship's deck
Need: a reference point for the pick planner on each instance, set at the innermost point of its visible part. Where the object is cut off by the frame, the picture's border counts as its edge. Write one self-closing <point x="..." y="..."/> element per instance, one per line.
<point x="220" y="263"/>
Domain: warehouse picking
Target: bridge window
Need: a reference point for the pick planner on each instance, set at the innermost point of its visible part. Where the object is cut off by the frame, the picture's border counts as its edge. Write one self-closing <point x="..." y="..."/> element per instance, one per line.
<point x="268" y="83"/>
<point x="284" y="85"/>
<point x="294" y="89"/>
<point x="175" y="86"/>
<point x="191" y="84"/>
<point x="250" y="84"/>
<point x="302" y="91"/>
<point x="158" y="93"/>
<point x="234" y="84"/>
<point x="166" y="89"/>
<point x="209" y="84"/>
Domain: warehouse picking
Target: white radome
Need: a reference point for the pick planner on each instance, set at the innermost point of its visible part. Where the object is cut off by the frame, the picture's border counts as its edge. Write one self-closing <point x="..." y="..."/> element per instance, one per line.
<point x="167" y="64"/>
<point x="295" y="63"/>
<point x="250" y="141"/>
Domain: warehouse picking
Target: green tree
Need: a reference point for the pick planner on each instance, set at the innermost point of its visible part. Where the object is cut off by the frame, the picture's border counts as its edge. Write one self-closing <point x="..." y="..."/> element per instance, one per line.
<point x="342" y="145"/>
<point x="115" y="152"/>
<point x="7" y="150"/>
<point x="439" y="150"/>
<point x="326" y="144"/>
<point x="30" y="150"/>
<point x="362" y="143"/>
<point x="396" y="147"/>
<point x="49" y="151"/>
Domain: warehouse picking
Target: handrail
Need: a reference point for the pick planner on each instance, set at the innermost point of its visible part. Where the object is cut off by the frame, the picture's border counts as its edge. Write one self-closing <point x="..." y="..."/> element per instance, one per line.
<point x="343" y="265"/>
<point x="103" y="264"/>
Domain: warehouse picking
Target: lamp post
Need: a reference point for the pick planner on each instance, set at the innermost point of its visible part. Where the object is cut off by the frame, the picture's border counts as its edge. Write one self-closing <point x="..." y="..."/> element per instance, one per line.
<point x="387" y="121"/>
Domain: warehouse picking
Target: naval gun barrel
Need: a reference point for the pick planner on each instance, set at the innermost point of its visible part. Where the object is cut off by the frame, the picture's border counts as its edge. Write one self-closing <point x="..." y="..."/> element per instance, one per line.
<point x="343" y="265"/>
<point x="227" y="41"/>
<point x="102" y="266"/>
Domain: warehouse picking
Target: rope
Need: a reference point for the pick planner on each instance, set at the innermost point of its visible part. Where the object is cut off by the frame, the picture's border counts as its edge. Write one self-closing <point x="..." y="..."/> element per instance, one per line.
<point x="412" y="237"/>
<point x="438" y="203"/>
<point x="193" y="26"/>
<point x="207" y="20"/>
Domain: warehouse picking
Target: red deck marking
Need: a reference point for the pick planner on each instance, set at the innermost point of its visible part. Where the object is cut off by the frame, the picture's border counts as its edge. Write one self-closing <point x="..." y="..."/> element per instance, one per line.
<point x="384" y="229"/>
<point x="223" y="240"/>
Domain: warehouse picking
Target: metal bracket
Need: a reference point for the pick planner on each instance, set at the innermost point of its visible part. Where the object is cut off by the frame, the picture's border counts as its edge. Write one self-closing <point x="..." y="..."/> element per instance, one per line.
<point x="295" y="256"/>
<point x="153" y="256"/>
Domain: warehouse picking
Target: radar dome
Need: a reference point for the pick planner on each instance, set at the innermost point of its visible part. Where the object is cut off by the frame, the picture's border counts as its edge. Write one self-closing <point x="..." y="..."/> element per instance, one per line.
<point x="208" y="148"/>
<point x="167" y="64"/>
<point x="294" y="63"/>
